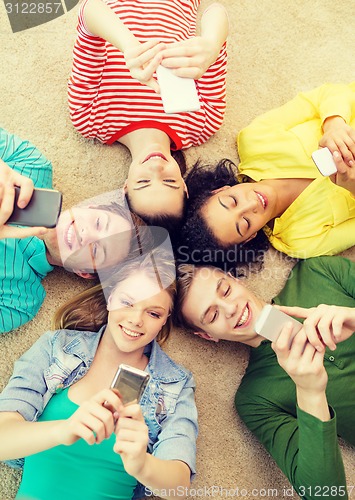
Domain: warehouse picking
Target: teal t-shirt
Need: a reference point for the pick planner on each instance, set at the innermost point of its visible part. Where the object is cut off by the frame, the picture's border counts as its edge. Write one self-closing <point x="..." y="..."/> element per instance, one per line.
<point x="76" y="472"/>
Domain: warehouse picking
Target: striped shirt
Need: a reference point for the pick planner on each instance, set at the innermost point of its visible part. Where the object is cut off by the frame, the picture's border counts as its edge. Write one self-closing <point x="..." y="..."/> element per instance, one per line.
<point x="106" y="102"/>
<point x="23" y="262"/>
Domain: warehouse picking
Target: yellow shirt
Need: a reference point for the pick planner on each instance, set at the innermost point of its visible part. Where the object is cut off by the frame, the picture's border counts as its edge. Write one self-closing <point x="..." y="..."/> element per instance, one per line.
<point x="278" y="145"/>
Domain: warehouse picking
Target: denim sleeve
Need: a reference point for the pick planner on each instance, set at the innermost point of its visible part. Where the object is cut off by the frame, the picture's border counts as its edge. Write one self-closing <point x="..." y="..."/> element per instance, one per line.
<point x="23" y="157"/>
<point x="177" y="438"/>
<point x="27" y="387"/>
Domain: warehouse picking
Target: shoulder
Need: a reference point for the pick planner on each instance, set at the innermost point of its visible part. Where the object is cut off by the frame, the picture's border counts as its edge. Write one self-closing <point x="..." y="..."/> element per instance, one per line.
<point x="163" y="368"/>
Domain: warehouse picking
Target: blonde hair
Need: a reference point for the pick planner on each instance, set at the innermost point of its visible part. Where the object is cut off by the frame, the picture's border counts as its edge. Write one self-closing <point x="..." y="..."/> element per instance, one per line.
<point x="88" y="310"/>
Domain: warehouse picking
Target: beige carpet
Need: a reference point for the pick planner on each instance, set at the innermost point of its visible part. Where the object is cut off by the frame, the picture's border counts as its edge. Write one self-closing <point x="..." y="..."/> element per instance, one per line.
<point x="276" y="48"/>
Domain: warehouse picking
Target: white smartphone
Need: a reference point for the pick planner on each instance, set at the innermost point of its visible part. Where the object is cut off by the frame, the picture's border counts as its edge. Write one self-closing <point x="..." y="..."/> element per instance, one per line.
<point x="130" y="383"/>
<point x="178" y="94"/>
<point x="271" y="321"/>
<point x="324" y="161"/>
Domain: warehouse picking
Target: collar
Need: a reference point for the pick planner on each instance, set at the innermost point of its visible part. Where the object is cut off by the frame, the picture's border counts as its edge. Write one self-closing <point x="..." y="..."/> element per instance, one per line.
<point x="84" y="345"/>
<point x="161" y="366"/>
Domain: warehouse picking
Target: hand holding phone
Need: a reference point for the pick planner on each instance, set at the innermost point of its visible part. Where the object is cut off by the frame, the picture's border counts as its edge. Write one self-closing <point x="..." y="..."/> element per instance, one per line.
<point x="271" y="321"/>
<point x="42" y="210"/>
<point x="178" y="94"/>
<point x="324" y="161"/>
<point x="130" y="382"/>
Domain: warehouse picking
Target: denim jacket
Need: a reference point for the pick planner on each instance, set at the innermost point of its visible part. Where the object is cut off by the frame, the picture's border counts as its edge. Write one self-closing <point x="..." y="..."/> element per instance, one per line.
<point x="59" y="359"/>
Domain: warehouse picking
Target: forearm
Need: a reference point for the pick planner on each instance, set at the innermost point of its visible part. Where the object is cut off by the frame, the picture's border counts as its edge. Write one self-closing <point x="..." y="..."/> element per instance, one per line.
<point x="101" y="21"/>
<point x="215" y="25"/>
<point x="160" y="474"/>
<point x="20" y="438"/>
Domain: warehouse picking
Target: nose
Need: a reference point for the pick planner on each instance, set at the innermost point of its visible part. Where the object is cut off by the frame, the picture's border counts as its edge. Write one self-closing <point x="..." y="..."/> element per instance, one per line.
<point x="229" y="309"/>
<point x="250" y="205"/>
<point x="87" y="235"/>
<point x="136" y="317"/>
<point x="156" y="166"/>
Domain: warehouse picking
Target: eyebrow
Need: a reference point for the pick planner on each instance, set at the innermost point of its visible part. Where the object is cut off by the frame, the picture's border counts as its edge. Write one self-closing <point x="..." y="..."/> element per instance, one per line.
<point x="148" y="184"/>
<point x="203" y="316"/>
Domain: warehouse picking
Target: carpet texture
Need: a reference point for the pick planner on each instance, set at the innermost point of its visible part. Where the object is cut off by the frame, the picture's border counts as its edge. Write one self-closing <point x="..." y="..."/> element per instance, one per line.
<point x="276" y="49"/>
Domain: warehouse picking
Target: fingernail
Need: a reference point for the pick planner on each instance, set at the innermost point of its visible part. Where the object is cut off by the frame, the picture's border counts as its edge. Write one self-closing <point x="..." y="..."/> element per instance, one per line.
<point x="351" y="163"/>
<point x="21" y="204"/>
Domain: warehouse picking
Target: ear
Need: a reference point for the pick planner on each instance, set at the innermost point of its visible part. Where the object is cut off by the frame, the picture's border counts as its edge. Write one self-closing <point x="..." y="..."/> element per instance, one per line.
<point x="87" y="276"/>
<point x="223" y="188"/>
<point x="250" y="238"/>
<point x="185" y="189"/>
<point x="205" y="336"/>
<point x="125" y="187"/>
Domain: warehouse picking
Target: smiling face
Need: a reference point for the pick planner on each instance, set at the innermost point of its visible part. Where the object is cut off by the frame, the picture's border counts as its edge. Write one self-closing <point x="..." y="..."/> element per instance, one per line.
<point x="89" y="238"/>
<point x="138" y="309"/>
<point x="155" y="185"/>
<point x="235" y="214"/>
<point x="220" y="306"/>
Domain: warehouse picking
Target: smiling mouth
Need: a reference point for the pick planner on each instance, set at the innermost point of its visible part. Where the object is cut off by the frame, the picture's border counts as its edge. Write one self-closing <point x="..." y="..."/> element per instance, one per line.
<point x="154" y="155"/>
<point x="69" y="236"/>
<point x="262" y="199"/>
<point x="244" y="317"/>
<point x="131" y="333"/>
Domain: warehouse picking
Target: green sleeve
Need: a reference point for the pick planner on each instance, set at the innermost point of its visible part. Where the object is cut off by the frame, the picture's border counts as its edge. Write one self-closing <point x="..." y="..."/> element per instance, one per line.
<point x="305" y="448"/>
<point x="320" y="280"/>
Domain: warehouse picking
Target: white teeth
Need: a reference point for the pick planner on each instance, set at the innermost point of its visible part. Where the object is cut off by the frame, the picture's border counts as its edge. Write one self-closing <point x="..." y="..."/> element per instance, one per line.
<point x="244" y="317"/>
<point x="261" y="199"/>
<point x="130" y="333"/>
<point x="70" y="234"/>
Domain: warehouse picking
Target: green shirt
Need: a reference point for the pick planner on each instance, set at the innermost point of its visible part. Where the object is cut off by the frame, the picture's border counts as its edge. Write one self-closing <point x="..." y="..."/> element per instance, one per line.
<point x="305" y="448"/>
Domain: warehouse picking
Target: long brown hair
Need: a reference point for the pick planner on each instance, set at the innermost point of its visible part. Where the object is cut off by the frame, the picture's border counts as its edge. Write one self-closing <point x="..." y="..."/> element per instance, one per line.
<point x="87" y="311"/>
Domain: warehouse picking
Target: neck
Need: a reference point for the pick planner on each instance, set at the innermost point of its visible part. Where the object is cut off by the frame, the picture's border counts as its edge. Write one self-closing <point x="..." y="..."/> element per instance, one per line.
<point x="287" y="191"/>
<point x="143" y="138"/>
<point x="50" y="241"/>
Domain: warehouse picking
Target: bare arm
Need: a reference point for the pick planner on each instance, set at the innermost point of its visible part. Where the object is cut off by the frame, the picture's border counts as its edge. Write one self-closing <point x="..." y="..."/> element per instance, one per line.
<point x="20" y="438"/>
<point x="141" y="58"/>
<point x="191" y="58"/>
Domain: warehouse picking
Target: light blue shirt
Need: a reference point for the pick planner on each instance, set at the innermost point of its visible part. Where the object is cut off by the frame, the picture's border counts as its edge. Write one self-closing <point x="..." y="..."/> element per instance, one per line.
<point x="23" y="263"/>
<point x="59" y="359"/>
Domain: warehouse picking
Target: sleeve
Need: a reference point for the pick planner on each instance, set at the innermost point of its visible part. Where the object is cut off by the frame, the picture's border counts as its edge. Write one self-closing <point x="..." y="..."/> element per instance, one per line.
<point x="326" y="279"/>
<point x="322" y="102"/>
<point x="177" y="438"/>
<point x="272" y="136"/>
<point x="27" y="387"/>
<point x="89" y="59"/>
<point x="305" y="448"/>
<point x="26" y="159"/>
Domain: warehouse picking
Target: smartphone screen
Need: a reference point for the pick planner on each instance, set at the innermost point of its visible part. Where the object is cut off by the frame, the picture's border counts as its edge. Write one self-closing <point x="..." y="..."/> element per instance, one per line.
<point x="43" y="209"/>
<point x="130" y="383"/>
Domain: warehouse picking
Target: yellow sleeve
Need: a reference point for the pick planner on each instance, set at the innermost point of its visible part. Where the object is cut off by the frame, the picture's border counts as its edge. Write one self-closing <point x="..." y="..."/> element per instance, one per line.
<point x="279" y="143"/>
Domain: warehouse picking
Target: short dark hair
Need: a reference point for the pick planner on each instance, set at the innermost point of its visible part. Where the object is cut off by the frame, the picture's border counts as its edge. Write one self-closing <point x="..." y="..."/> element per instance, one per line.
<point x="197" y="244"/>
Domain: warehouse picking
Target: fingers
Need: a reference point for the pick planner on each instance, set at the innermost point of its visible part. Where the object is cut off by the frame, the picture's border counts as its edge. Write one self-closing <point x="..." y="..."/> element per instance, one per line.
<point x="143" y="53"/>
<point x="21" y="232"/>
<point x="298" y="312"/>
<point x="94" y="420"/>
<point x="7" y="199"/>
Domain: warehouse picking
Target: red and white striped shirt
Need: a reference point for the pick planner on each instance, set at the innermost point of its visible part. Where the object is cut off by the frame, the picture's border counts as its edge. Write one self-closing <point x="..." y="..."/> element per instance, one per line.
<point x="106" y="102"/>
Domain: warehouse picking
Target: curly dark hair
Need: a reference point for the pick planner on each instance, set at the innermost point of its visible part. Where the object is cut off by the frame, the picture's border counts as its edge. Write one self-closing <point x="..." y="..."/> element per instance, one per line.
<point x="197" y="243"/>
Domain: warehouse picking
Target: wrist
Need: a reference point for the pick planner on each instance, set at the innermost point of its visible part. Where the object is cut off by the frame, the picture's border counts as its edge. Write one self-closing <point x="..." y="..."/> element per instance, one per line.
<point x="313" y="402"/>
<point x="332" y="121"/>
